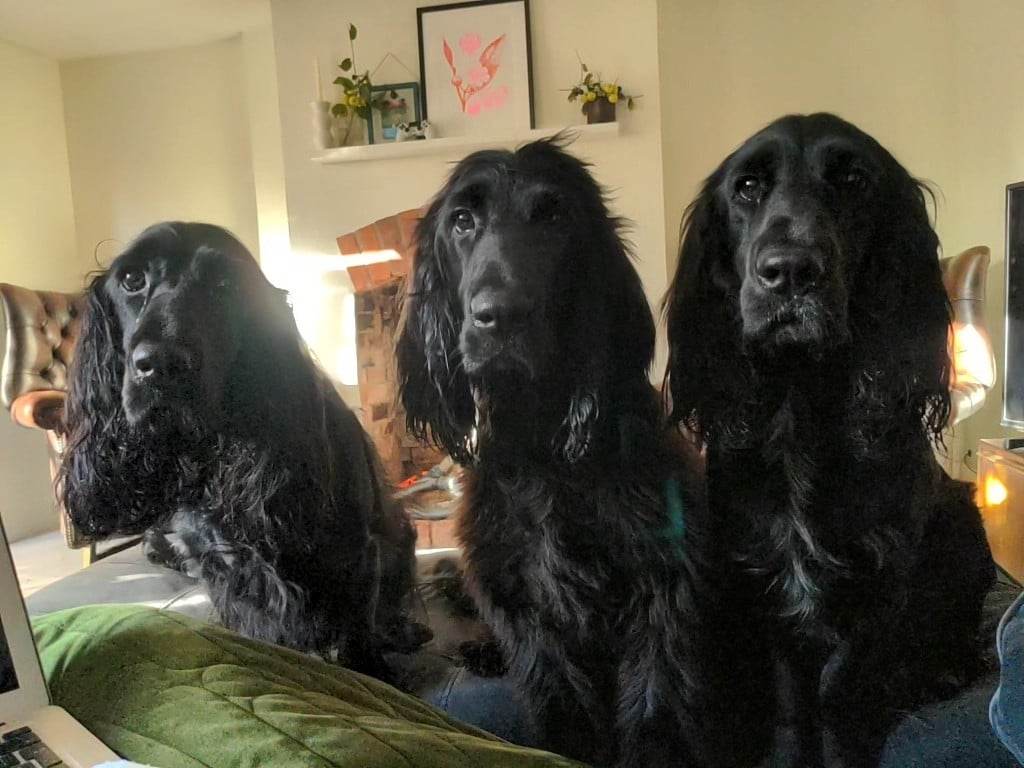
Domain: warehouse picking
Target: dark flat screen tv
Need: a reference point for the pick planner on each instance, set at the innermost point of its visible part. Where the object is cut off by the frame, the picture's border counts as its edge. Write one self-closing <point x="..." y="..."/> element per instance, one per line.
<point x="1013" y="368"/>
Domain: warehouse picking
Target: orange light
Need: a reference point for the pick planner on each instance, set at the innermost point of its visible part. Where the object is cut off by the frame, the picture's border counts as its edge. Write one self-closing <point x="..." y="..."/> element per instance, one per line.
<point x="995" y="491"/>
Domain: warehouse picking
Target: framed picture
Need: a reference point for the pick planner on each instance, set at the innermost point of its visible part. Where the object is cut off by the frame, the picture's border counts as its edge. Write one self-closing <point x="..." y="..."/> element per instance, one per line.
<point x="393" y="104"/>
<point x="475" y="67"/>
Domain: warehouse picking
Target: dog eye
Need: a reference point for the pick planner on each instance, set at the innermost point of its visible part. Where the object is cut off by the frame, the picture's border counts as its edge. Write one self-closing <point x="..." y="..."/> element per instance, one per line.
<point x="851" y="178"/>
<point x="133" y="281"/>
<point x="749" y="189"/>
<point x="464" y="221"/>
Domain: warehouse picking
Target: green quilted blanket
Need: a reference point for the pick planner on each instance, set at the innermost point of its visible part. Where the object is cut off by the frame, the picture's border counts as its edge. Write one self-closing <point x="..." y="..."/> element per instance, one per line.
<point x="162" y="689"/>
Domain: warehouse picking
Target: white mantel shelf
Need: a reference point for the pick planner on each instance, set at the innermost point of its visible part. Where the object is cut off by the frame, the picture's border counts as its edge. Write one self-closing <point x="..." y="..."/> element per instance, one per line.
<point x="423" y="147"/>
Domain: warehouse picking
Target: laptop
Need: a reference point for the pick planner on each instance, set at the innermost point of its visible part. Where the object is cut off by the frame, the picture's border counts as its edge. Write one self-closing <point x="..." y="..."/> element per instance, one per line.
<point x="33" y="732"/>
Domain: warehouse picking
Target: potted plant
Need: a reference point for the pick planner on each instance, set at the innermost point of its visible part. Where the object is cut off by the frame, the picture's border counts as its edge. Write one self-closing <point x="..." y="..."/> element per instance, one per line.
<point x="598" y="97"/>
<point x="355" y="101"/>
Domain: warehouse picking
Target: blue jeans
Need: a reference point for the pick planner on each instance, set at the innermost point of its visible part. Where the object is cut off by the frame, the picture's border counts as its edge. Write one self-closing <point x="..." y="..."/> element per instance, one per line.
<point x="1006" y="711"/>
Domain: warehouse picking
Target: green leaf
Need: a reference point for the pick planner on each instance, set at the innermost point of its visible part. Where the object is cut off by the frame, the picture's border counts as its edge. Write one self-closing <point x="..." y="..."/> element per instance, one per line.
<point x="589" y="78"/>
<point x="339" y="110"/>
<point x="346" y="65"/>
<point x="352" y="31"/>
<point x="344" y="81"/>
<point x="629" y="102"/>
<point x="584" y="67"/>
<point x="393" y="94"/>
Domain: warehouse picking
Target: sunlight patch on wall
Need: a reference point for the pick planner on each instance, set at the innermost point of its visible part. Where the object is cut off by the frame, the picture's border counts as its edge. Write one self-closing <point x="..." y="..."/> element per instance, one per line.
<point x="323" y="305"/>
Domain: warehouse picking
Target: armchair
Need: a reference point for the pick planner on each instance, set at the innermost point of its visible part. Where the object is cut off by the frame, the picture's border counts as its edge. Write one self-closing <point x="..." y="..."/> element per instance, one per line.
<point x="974" y="364"/>
<point x="41" y="330"/>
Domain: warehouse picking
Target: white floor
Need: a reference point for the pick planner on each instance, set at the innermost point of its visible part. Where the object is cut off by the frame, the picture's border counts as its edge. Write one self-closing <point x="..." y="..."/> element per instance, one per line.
<point x="41" y="560"/>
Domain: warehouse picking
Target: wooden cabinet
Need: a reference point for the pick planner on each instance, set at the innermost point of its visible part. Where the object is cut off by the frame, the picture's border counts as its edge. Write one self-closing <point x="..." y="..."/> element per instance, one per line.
<point x="1001" y="498"/>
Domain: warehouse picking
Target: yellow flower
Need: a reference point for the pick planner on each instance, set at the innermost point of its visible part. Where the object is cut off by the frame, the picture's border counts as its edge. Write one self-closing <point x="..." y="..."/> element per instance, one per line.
<point x="613" y="97"/>
<point x="591" y="96"/>
<point x="610" y="88"/>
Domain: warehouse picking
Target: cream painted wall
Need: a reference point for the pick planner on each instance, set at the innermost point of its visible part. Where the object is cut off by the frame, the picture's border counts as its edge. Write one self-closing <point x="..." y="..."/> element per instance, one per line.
<point x="936" y="81"/>
<point x="731" y="66"/>
<point x="988" y="80"/>
<point x="326" y="201"/>
<point x="37" y="249"/>
<point x="155" y="136"/>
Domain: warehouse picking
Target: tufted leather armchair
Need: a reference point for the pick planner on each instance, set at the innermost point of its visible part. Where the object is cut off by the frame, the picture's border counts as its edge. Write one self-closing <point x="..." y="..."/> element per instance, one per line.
<point x="974" y="363"/>
<point x="42" y="327"/>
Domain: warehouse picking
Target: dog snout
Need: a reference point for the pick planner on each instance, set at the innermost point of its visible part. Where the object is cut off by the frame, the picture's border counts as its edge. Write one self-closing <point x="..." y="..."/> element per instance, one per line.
<point x="154" y="361"/>
<point x="494" y="312"/>
<point x="788" y="272"/>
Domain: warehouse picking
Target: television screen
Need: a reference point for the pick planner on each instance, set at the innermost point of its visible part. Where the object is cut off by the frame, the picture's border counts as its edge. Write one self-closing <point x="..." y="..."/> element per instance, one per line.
<point x="1013" y="380"/>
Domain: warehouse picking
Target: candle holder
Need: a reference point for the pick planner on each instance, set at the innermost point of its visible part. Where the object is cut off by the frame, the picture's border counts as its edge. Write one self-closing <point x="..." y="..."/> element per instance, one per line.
<point x="320" y="112"/>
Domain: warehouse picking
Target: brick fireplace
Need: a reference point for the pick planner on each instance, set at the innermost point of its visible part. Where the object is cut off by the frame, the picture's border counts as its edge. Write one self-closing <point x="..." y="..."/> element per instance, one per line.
<point x="379" y="287"/>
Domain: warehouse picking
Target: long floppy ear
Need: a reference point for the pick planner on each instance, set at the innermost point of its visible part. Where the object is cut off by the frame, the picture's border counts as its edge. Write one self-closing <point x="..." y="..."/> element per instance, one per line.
<point x="433" y="387"/>
<point x="612" y="329"/>
<point x="705" y="368"/>
<point x="89" y="481"/>
<point x="906" y="310"/>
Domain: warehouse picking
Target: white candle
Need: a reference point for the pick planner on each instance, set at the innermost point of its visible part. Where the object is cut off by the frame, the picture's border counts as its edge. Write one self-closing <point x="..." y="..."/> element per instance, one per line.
<point x="319" y="81"/>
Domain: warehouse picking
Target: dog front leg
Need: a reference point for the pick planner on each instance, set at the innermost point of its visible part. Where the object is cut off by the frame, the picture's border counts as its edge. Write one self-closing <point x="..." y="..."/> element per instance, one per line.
<point x="798" y="735"/>
<point x="857" y="714"/>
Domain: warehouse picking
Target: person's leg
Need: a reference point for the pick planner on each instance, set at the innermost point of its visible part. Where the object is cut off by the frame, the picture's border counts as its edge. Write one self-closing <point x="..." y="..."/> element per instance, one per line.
<point x="1006" y="711"/>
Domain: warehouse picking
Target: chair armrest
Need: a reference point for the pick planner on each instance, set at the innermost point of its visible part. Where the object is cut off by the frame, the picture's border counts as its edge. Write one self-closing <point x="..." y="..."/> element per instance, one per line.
<point x="42" y="409"/>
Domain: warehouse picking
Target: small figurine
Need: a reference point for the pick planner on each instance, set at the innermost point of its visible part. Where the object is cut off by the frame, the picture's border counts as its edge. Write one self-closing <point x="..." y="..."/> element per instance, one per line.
<point x="414" y="131"/>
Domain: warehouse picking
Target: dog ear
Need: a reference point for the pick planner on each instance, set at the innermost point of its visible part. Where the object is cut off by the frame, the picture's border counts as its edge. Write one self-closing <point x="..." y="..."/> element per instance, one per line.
<point x="613" y="331"/>
<point x="94" y="419"/>
<point x="905" y="311"/>
<point x="705" y="359"/>
<point x="433" y="387"/>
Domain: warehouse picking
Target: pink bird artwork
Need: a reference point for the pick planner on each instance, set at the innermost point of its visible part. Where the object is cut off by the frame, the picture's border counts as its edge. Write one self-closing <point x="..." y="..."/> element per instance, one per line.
<point x="474" y="89"/>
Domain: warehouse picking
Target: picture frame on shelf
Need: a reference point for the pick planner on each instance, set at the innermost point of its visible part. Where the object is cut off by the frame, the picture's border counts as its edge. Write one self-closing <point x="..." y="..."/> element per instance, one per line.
<point x="475" y="67"/>
<point x="394" y="103"/>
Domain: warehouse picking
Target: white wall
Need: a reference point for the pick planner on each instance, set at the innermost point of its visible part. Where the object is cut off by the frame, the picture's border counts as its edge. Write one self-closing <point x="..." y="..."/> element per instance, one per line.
<point x="155" y="136"/>
<point x="327" y="201"/>
<point x="731" y="66"/>
<point x="37" y="250"/>
<point x="988" y="120"/>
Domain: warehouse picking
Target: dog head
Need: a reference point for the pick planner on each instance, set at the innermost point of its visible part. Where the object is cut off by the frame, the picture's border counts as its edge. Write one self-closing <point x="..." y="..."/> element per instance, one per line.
<point x="808" y="242"/>
<point x="522" y="291"/>
<point x="168" y="321"/>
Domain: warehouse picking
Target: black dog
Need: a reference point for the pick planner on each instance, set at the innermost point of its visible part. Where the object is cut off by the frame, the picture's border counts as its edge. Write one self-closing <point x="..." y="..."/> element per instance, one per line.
<point x="808" y="330"/>
<point x="195" y="408"/>
<point x="524" y="353"/>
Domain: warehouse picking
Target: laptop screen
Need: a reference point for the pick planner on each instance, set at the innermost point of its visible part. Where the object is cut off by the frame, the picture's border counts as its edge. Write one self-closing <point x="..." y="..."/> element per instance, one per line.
<point x="8" y="678"/>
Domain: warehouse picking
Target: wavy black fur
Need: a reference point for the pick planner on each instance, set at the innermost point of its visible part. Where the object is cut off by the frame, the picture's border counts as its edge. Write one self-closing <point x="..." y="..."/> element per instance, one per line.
<point x="866" y="564"/>
<point x="195" y="411"/>
<point x="597" y="600"/>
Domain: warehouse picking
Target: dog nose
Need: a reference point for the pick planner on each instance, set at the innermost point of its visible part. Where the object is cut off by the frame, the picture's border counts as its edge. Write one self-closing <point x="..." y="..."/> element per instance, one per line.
<point x="151" y="360"/>
<point x="493" y="313"/>
<point x="791" y="272"/>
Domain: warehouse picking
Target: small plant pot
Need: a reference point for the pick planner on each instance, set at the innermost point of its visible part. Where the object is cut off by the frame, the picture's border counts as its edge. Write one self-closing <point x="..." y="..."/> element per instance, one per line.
<point x="599" y="111"/>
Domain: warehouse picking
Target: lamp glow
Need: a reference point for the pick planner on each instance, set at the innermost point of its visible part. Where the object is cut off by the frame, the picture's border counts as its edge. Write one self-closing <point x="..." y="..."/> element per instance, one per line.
<point x="995" y="491"/>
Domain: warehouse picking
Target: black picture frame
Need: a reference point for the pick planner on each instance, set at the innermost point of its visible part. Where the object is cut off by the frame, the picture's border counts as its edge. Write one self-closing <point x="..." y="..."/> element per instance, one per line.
<point x="377" y="136"/>
<point x="424" y="10"/>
